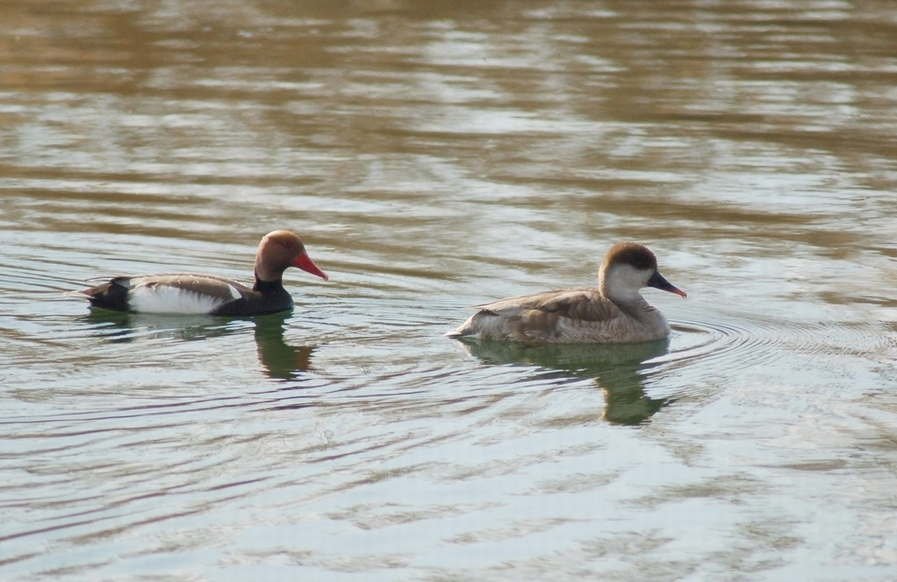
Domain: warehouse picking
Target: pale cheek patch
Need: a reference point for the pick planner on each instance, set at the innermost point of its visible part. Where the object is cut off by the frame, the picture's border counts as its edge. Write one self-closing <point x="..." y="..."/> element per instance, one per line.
<point x="164" y="299"/>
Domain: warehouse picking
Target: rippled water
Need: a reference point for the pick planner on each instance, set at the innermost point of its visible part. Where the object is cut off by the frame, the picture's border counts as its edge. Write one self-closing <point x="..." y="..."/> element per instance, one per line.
<point x="434" y="156"/>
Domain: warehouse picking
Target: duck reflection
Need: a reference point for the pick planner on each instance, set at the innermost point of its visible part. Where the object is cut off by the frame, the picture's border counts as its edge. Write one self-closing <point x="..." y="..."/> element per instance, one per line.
<point x="278" y="359"/>
<point x="618" y="369"/>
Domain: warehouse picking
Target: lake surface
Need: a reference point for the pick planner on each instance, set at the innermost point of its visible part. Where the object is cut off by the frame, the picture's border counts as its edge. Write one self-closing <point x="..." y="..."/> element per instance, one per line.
<point x="433" y="156"/>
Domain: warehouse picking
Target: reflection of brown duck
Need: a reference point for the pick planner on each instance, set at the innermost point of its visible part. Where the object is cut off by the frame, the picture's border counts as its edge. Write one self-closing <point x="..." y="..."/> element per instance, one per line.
<point x="209" y="294"/>
<point x="614" y="312"/>
<point x="625" y="401"/>
<point x="617" y="369"/>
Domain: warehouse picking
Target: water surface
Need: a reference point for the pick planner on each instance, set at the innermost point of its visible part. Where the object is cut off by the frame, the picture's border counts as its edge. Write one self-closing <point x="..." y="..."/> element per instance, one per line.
<point x="434" y="156"/>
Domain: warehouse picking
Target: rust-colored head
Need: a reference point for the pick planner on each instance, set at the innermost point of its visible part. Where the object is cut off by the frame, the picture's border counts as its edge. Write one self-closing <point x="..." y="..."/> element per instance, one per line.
<point x="280" y="250"/>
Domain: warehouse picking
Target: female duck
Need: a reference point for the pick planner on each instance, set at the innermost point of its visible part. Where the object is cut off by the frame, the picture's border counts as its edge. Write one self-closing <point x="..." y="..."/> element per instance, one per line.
<point x="210" y="294"/>
<point x="614" y="312"/>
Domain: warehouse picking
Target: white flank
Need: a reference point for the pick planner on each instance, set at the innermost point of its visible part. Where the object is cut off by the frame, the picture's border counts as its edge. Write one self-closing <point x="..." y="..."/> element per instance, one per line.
<point x="166" y="299"/>
<point x="233" y="291"/>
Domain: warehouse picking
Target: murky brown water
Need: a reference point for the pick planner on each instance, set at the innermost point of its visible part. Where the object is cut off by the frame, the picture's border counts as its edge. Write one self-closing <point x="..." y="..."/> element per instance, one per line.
<point x="434" y="156"/>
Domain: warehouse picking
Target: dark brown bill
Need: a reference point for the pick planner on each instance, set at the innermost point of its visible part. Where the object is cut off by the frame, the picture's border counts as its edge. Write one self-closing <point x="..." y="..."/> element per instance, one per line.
<point x="659" y="282"/>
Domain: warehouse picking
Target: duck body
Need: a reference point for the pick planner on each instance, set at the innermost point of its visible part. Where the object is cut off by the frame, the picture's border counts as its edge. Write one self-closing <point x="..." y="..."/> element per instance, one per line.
<point x="577" y="315"/>
<point x="185" y="293"/>
<point x="189" y="294"/>
<point x="613" y="312"/>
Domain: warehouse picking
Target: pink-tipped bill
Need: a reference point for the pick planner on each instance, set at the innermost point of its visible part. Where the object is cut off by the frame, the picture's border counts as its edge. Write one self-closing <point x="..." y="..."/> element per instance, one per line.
<point x="658" y="281"/>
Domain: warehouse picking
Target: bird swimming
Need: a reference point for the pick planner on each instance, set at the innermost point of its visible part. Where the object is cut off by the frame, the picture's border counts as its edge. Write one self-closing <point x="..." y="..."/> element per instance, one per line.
<point x="613" y="312"/>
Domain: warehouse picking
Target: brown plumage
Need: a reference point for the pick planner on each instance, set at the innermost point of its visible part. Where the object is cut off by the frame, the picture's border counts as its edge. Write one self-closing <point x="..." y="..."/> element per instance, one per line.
<point x="614" y="312"/>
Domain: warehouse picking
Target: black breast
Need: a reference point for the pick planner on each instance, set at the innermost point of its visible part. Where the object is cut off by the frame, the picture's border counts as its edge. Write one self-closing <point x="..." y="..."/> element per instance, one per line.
<point x="109" y="295"/>
<point x="265" y="297"/>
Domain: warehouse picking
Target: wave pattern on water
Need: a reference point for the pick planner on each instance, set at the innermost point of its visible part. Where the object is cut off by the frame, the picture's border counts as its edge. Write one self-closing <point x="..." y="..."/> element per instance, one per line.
<point x="434" y="156"/>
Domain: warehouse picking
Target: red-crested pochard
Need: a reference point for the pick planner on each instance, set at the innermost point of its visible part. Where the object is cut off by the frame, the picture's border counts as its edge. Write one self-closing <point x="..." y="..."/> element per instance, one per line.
<point x="210" y="294"/>
<point x="614" y="312"/>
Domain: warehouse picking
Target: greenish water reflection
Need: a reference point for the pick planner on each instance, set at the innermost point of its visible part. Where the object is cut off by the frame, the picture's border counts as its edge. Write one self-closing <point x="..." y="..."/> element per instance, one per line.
<point x="619" y="370"/>
<point x="279" y="360"/>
